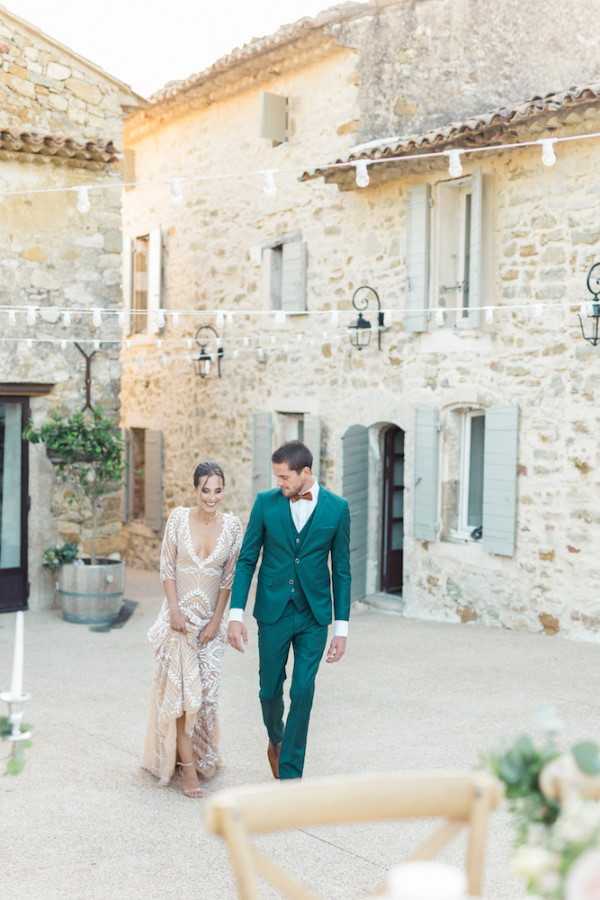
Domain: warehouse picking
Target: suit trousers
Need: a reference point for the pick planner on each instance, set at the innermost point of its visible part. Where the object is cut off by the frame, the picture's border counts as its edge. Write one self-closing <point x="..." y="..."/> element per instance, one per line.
<point x="299" y="629"/>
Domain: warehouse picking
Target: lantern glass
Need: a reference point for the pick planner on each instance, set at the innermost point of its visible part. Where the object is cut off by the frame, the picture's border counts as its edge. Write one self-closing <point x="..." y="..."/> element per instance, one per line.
<point x="360" y="332"/>
<point x="203" y="362"/>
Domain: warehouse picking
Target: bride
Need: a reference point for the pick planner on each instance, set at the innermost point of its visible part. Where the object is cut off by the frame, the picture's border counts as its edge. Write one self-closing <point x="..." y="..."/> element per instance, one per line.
<point x="198" y="556"/>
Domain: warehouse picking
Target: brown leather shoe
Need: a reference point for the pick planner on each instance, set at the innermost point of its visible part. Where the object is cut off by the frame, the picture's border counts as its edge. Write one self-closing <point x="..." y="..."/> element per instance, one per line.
<point x="273" y="751"/>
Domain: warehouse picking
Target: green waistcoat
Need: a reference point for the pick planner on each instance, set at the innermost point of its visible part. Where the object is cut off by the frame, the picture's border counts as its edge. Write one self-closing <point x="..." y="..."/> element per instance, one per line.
<point x="291" y="559"/>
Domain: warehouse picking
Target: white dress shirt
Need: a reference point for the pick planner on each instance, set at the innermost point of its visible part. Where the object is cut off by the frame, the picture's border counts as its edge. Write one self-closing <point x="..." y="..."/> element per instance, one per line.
<point x="301" y="511"/>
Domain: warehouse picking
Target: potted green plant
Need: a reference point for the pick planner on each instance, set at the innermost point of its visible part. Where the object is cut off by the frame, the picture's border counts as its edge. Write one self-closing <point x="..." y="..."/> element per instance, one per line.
<point x="86" y="450"/>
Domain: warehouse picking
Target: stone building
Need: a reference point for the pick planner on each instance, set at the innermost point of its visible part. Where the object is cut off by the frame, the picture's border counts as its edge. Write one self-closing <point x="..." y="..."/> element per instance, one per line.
<point x="466" y="445"/>
<point x="60" y="128"/>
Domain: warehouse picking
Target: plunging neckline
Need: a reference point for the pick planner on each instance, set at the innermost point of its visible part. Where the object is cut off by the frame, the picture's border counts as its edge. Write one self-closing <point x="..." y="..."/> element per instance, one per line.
<point x="203" y="559"/>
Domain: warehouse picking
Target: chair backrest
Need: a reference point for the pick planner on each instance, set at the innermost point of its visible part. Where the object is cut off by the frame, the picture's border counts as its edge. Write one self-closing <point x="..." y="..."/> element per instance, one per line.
<point x="463" y="800"/>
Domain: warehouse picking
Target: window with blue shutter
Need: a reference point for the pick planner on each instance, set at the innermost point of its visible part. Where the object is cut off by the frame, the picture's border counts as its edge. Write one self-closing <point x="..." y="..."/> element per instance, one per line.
<point x="500" y="479"/>
<point x="426" y="474"/>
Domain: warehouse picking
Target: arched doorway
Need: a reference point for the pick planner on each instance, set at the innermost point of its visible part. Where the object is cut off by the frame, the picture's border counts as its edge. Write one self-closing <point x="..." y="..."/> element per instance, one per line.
<point x="392" y="512"/>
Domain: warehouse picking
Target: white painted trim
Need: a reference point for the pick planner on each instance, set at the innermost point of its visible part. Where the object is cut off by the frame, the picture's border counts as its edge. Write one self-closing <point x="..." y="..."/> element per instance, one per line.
<point x="463" y="532"/>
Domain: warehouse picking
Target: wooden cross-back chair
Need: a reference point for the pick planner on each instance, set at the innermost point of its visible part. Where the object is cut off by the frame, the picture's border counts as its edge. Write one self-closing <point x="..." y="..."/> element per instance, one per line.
<point x="463" y="800"/>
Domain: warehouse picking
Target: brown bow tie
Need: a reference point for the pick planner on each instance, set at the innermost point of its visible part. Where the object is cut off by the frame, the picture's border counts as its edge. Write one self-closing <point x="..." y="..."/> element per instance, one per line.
<point x="306" y="496"/>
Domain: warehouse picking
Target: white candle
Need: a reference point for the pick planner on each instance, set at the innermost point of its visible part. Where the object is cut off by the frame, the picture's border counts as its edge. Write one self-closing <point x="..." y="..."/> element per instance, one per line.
<point x="16" y="685"/>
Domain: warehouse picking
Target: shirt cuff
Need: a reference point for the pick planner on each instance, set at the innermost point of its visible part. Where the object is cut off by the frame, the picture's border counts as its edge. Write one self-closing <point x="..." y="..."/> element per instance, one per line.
<point x="236" y="615"/>
<point x="340" y="628"/>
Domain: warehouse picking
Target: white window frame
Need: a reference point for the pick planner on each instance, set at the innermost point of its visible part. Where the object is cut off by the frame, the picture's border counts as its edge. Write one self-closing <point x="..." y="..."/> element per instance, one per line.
<point x="285" y="424"/>
<point x="456" y="312"/>
<point x="463" y="529"/>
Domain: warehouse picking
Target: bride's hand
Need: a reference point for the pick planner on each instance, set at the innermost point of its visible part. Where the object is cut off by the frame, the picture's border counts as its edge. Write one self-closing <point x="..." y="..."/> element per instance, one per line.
<point x="209" y="632"/>
<point x="177" y="620"/>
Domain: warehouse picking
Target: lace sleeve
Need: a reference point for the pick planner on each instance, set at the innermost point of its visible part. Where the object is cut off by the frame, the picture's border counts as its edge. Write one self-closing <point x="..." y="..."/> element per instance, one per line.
<point x="234" y="552"/>
<point x="168" y="550"/>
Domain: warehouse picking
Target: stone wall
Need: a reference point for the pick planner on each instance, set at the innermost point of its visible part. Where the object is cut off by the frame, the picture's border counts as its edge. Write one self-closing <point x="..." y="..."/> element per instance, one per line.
<point x="54" y="256"/>
<point x="47" y="90"/>
<point x="424" y="63"/>
<point x="542" y="238"/>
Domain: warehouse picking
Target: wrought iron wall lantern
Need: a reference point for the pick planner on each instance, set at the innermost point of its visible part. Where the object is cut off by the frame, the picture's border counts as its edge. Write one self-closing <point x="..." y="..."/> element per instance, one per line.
<point x="203" y="362"/>
<point x="360" y="330"/>
<point x="593" y="286"/>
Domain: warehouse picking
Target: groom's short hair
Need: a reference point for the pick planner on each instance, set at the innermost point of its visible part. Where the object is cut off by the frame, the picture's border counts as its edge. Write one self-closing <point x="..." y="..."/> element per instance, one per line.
<point x="295" y="454"/>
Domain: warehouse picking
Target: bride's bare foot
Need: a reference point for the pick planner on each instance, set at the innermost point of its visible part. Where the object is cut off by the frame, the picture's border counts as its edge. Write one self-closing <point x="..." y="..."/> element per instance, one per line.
<point x="190" y="784"/>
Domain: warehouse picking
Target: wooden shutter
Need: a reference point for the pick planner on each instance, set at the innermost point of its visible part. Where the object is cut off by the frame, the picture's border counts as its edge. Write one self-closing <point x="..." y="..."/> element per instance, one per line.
<point x="293" y="278"/>
<point x="417" y="258"/>
<point x="127" y="275"/>
<point x="153" y="479"/>
<point x="355" y="488"/>
<point x="312" y="439"/>
<point x="500" y="479"/>
<point x="128" y="477"/>
<point x="426" y="473"/>
<point x="154" y="279"/>
<point x="274" y="118"/>
<point x="271" y="276"/>
<point x="262" y="449"/>
<point x="476" y="296"/>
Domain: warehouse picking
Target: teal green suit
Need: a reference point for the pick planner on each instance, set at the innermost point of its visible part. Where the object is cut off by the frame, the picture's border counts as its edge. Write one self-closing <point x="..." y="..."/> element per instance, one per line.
<point x="293" y="605"/>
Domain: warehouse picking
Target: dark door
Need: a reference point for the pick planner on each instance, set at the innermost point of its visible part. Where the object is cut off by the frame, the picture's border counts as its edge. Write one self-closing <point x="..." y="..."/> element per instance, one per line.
<point x="393" y="512"/>
<point x="14" y="501"/>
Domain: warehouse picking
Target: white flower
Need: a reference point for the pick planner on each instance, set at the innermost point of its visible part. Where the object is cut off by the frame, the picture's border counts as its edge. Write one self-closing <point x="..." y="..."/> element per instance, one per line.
<point x="583" y="882"/>
<point x="533" y="862"/>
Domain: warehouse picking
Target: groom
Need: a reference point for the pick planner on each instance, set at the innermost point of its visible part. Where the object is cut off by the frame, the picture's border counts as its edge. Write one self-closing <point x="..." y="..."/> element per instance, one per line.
<point x="298" y="526"/>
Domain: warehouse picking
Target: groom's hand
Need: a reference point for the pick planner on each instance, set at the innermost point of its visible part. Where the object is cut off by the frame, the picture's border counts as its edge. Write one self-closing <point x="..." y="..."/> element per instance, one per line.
<point x="337" y="648"/>
<point x="237" y="635"/>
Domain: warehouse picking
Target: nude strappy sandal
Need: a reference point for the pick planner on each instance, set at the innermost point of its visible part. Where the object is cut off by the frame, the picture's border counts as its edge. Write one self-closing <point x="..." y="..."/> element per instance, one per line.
<point x="194" y="793"/>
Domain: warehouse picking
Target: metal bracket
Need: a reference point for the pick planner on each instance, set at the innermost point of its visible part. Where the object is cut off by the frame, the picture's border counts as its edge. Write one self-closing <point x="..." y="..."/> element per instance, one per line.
<point x="88" y="375"/>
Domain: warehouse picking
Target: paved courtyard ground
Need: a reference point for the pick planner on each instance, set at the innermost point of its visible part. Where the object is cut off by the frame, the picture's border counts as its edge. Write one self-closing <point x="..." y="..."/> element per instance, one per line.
<point x="84" y="821"/>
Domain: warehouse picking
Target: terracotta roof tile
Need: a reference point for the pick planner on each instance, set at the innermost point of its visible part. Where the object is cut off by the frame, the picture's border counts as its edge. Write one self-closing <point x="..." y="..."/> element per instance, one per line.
<point x="488" y="128"/>
<point x="88" y="154"/>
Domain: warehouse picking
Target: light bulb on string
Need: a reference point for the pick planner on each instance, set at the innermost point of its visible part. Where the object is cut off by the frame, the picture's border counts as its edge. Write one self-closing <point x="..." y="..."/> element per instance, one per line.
<point x="489" y="314"/>
<point x="96" y="318"/>
<point x="176" y="190"/>
<point x="246" y="342"/>
<point x="539" y="311"/>
<point x="362" y="173"/>
<point x="31" y="315"/>
<point x="83" y="200"/>
<point x="269" y="183"/>
<point x="219" y="319"/>
<point x="280" y="317"/>
<point x="189" y="343"/>
<point x="440" y="317"/>
<point x="63" y="345"/>
<point x="236" y="353"/>
<point x="455" y="168"/>
<point x="159" y="343"/>
<point x="96" y="345"/>
<point x="160" y="317"/>
<point x="334" y="317"/>
<point x="175" y="320"/>
<point x="122" y="318"/>
<point x="127" y="343"/>
<point x="548" y="154"/>
<point x="66" y="318"/>
<point x="12" y="317"/>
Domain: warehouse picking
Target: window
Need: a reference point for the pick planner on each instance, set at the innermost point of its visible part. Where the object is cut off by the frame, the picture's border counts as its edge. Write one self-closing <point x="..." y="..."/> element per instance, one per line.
<point x="470" y="506"/>
<point x="454" y="239"/>
<point x="290" y="427"/>
<point x="138" y="450"/>
<point x="284" y="275"/>
<point x="139" y="304"/>
<point x="463" y="480"/>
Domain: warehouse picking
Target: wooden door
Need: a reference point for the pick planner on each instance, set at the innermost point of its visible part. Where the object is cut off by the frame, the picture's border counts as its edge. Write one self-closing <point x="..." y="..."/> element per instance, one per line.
<point x="393" y="512"/>
<point x="14" y="503"/>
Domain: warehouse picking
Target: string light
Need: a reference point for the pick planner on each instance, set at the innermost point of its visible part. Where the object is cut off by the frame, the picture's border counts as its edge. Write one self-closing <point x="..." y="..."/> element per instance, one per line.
<point x="362" y="173"/>
<point x="122" y="318"/>
<point x="97" y="318"/>
<point x="96" y="345"/>
<point x="269" y="183"/>
<point x="31" y="315"/>
<point x="489" y="315"/>
<point x="159" y="342"/>
<point x="176" y="189"/>
<point x="334" y="317"/>
<point x="175" y="320"/>
<point x="455" y="168"/>
<point x="12" y="317"/>
<point x="440" y="317"/>
<point x="66" y="318"/>
<point x="63" y="345"/>
<point x="219" y="319"/>
<point x="160" y="318"/>
<point x="83" y="200"/>
<point x="280" y="317"/>
<point x="189" y="343"/>
<point x="548" y="154"/>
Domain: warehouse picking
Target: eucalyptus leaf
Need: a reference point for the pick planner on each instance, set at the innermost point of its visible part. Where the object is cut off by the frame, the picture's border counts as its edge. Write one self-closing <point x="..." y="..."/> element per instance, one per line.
<point x="587" y="756"/>
<point x="15" y="764"/>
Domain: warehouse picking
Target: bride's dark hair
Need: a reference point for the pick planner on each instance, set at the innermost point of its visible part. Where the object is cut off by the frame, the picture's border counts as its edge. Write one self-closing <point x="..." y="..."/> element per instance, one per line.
<point x="206" y="469"/>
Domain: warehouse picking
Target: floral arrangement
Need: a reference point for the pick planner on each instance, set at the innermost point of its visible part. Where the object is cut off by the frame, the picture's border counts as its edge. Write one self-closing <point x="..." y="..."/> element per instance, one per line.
<point x="557" y="830"/>
<point x="55" y="557"/>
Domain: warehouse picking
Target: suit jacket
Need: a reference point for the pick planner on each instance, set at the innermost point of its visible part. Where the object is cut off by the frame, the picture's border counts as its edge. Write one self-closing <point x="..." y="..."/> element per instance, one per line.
<point x="296" y="559"/>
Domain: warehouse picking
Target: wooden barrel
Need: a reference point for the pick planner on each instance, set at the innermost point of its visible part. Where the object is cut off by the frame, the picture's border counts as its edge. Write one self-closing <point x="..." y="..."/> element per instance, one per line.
<point x="91" y="594"/>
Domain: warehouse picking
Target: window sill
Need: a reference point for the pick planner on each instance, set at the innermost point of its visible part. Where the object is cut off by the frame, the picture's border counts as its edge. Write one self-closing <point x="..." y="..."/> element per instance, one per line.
<point x="461" y="537"/>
